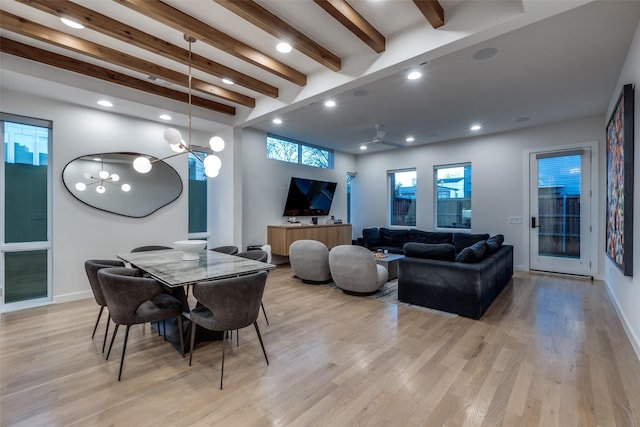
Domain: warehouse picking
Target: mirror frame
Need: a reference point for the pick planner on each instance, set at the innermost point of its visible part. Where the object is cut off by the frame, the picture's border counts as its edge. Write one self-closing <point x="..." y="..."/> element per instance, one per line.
<point x="160" y="167"/>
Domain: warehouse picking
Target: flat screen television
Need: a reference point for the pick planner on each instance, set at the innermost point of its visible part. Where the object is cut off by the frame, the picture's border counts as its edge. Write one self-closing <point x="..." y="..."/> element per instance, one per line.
<point x="309" y="197"/>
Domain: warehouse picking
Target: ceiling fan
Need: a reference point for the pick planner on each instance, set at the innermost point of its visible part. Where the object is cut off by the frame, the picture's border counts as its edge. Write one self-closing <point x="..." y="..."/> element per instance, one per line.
<point x="379" y="138"/>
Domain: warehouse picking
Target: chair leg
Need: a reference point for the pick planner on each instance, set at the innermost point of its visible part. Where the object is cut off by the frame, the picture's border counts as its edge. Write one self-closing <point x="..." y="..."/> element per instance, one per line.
<point x="255" y="324"/>
<point x="106" y="332"/>
<point x="264" y="312"/>
<point x="222" y="368"/>
<point x="115" y="331"/>
<point x="193" y="339"/>
<point x="124" y="348"/>
<point x="180" y="332"/>
<point x="95" y="328"/>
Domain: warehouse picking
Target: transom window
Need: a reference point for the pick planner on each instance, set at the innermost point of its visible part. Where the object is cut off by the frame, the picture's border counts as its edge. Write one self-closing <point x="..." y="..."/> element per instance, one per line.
<point x="287" y="150"/>
<point x="453" y="201"/>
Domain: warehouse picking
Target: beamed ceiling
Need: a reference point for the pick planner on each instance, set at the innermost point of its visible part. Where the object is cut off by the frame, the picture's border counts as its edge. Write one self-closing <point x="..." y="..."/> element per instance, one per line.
<point x="135" y="51"/>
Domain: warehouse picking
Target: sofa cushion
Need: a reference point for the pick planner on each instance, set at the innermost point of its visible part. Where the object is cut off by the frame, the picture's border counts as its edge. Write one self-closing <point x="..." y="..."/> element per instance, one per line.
<point x="440" y="251"/>
<point x="395" y="238"/>
<point x="494" y="243"/>
<point x="463" y="240"/>
<point x="429" y="236"/>
<point x="371" y="237"/>
<point x="473" y="253"/>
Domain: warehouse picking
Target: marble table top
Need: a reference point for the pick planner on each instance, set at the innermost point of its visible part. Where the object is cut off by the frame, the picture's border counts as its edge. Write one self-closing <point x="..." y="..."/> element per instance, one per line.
<point x="167" y="266"/>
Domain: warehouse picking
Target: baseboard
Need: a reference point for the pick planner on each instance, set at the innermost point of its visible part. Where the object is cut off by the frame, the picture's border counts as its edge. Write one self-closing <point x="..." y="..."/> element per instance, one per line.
<point x="57" y="299"/>
<point x="635" y="342"/>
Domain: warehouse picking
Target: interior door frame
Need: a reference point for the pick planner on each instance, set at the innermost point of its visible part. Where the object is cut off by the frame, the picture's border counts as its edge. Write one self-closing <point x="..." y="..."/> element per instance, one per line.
<point x="594" y="147"/>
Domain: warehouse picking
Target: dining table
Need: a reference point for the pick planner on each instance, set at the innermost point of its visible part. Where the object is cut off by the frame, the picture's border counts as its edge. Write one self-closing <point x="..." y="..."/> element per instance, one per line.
<point x="168" y="268"/>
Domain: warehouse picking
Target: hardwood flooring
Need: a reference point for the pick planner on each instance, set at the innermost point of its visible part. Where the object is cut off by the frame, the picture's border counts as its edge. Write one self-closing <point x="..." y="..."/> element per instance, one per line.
<point x="550" y="351"/>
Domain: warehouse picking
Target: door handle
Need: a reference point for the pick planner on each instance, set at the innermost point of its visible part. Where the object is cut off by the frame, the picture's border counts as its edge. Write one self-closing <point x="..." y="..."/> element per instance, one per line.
<point x="533" y="222"/>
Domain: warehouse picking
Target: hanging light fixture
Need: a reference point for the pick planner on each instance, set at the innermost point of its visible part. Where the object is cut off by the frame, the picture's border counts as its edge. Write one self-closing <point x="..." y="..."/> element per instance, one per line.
<point x="173" y="137"/>
<point x="104" y="177"/>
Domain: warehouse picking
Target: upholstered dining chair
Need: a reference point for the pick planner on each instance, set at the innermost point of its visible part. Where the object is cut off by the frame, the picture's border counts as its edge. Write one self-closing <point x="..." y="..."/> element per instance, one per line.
<point x="150" y="248"/>
<point x="257" y="255"/>
<point x="91" y="267"/>
<point x="132" y="300"/>
<point x="229" y="250"/>
<point x="227" y="305"/>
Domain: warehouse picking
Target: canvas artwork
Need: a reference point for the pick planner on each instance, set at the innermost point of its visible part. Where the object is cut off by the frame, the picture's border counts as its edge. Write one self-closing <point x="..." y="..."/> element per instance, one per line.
<point x="619" y="227"/>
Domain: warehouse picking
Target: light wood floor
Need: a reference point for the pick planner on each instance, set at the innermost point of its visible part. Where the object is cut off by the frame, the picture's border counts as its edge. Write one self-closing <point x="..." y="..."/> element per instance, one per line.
<point x="550" y="351"/>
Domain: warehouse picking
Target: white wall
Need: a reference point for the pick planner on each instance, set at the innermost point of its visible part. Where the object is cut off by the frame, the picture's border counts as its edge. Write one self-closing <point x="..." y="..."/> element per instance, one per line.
<point x="497" y="174"/>
<point x="625" y="291"/>
<point x="80" y="232"/>
<point x="266" y="183"/>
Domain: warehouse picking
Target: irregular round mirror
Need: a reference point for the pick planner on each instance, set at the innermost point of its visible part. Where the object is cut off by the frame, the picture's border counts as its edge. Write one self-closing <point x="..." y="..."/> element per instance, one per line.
<point x="108" y="182"/>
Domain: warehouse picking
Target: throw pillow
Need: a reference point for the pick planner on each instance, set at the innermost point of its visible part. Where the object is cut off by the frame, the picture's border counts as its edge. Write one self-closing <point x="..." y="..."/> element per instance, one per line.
<point x="494" y="243"/>
<point x="395" y="238"/>
<point x="463" y="240"/>
<point x="440" y="251"/>
<point x="473" y="253"/>
<point x="429" y="236"/>
<point x="371" y="237"/>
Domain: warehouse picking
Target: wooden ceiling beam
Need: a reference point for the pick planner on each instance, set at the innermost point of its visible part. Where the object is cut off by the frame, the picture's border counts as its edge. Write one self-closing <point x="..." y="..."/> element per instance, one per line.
<point x="15" y="48"/>
<point x="251" y="11"/>
<point x="184" y="23"/>
<point x="110" y="27"/>
<point x="350" y="18"/>
<point x="432" y="10"/>
<point x="36" y="31"/>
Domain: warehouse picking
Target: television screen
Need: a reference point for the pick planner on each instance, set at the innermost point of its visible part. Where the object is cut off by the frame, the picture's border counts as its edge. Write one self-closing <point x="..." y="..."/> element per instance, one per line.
<point x="309" y="197"/>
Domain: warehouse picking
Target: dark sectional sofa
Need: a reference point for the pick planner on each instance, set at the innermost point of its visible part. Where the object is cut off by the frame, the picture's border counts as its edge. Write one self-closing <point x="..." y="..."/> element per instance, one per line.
<point x="459" y="273"/>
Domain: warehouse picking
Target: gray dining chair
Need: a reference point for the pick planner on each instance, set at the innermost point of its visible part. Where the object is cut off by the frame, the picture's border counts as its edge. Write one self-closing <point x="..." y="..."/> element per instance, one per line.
<point x="257" y="255"/>
<point x="132" y="300"/>
<point x="91" y="267"/>
<point x="227" y="305"/>
<point x="150" y="248"/>
<point x="229" y="249"/>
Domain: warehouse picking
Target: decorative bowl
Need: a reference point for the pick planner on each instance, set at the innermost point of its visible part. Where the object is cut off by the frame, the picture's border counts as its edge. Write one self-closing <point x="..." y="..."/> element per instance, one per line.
<point x="190" y="248"/>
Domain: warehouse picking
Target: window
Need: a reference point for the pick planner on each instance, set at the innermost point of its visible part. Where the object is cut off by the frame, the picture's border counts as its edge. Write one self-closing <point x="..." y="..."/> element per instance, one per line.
<point x="350" y="177"/>
<point x="286" y="150"/>
<point x="402" y="187"/>
<point x="197" y="196"/>
<point x="453" y="201"/>
<point x="25" y="248"/>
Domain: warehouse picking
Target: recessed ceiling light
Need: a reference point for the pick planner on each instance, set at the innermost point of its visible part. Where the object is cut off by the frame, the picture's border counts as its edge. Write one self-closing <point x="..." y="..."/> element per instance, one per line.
<point x="330" y="103"/>
<point x="277" y="121"/>
<point x="414" y="75"/>
<point x="284" y="47"/>
<point x="475" y="127"/>
<point x="363" y="147"/>
<point x="485" y="53"/>
<point x="105" y="103"/>
<point x="410" y="139"/>
<point x="72" y="24"/>
<point x="227" y="81"/>
<point x="165" y="117"/>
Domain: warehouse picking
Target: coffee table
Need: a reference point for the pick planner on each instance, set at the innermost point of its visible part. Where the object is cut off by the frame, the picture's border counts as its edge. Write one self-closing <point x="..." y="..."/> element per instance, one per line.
<point x="390" y="262"/>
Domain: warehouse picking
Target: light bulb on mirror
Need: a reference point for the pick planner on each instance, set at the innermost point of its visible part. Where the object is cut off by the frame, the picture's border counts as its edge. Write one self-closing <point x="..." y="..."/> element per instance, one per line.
<point x="216" y="143"/>
<point x="126" y="188"/>
<point x="81" y="186"/>
<point x="100" y="189"/>
<point x="103" y="174"/>
<point x="172" y="136"/>
<point x="179" y="147"/>
<point x="114" y="177"/>
<point x="142" y="164"/>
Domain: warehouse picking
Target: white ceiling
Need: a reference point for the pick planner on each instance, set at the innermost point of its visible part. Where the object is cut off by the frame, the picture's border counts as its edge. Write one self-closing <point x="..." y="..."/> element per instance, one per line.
<point x="555" y="60"/>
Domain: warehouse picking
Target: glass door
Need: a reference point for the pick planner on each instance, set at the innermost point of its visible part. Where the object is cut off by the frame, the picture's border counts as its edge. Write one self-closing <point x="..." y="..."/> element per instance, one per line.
<point x="560" y="212"/>
<point x="25" y="243"/>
